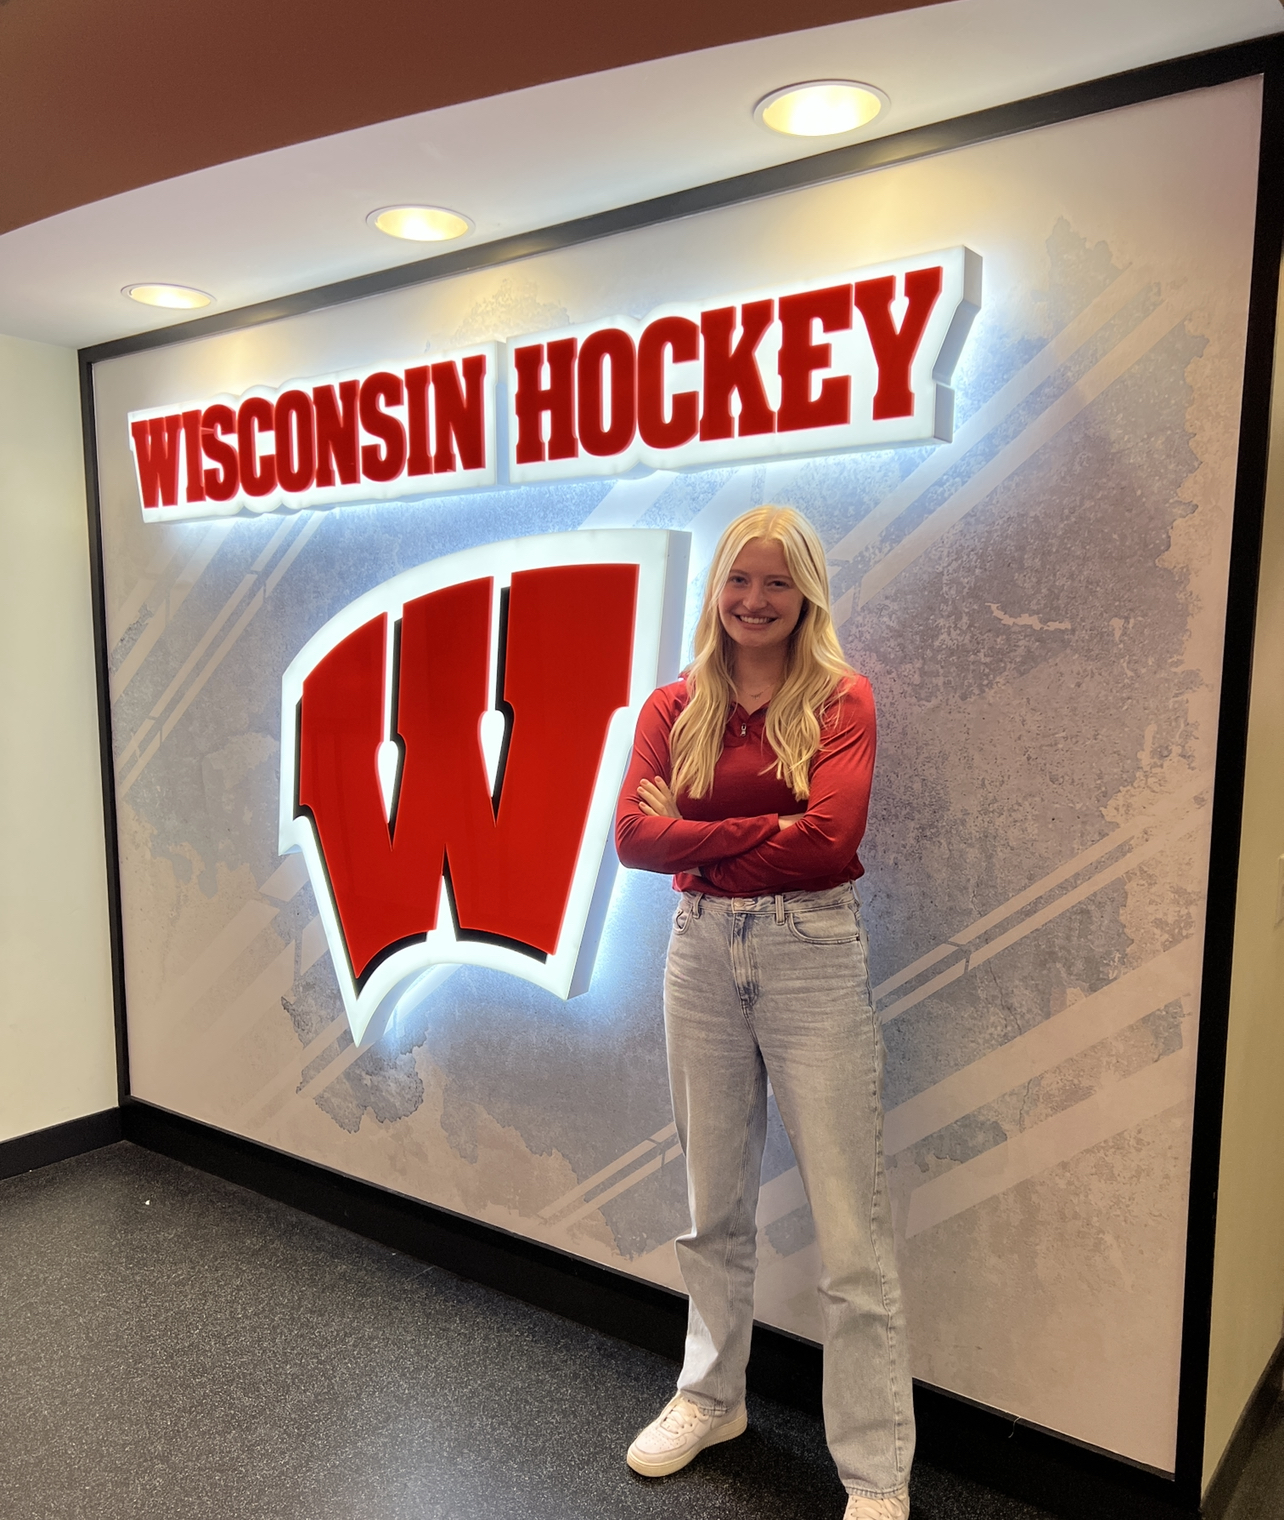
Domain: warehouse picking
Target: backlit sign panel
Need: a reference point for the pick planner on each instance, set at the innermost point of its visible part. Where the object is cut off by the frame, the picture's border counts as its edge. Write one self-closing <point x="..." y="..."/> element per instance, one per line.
<point x="451" y="787"/>
<point x="862" y="360"/>
<point x="377" y="434"/>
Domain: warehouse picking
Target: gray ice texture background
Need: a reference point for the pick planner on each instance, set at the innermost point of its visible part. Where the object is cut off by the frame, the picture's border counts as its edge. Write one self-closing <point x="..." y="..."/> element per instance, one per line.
<point x="1042" y="626"/>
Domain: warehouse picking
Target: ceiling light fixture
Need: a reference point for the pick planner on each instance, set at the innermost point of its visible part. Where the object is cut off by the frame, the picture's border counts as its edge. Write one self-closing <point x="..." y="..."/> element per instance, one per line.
<point x="180" y="297"/>
<point x="820" y="107"/>
<point x="420" y="224"/>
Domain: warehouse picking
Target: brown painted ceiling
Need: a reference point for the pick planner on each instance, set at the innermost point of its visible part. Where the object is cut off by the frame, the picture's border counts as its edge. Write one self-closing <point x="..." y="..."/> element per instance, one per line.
<point x="102" y="96"/>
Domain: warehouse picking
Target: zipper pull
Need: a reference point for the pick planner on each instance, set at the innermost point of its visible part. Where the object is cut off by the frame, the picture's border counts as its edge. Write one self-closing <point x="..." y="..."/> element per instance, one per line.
<point x="744" y="729"/>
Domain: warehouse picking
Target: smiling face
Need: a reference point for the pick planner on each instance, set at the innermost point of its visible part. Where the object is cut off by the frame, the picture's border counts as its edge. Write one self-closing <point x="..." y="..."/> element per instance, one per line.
<point x="759" y="605"/>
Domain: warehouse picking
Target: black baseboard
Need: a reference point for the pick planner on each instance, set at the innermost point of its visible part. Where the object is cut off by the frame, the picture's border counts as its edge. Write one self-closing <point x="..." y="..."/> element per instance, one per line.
<point x="1041" y="1468"/>
<point x="1248" y="1428"/>
<point x="1033" y="1465"/>
<point x="59" y="1142"/>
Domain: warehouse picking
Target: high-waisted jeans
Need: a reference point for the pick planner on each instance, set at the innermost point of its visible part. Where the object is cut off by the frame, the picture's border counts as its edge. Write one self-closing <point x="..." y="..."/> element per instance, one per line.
<point x="778" y="987"/>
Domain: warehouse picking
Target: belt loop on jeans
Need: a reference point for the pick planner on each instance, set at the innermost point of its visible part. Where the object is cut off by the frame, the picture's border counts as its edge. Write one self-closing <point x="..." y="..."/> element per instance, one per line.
<point x="698" y="903"/>
<point x="780" y="908"/>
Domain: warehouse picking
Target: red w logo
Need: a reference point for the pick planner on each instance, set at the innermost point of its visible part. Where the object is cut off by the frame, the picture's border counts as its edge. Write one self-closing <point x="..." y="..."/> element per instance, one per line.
<point x="391" y="792"/>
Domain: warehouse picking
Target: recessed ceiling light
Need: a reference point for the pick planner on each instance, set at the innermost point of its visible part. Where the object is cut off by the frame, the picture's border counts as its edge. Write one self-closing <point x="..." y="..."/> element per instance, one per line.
<point x="820" y="107"/>
<point x="421" y="224"/>
<point x="181" y="297"/>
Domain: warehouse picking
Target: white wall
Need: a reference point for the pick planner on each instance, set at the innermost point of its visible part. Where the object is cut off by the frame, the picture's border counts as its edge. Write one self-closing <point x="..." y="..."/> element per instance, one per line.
<point x="57" y="1046"/>
<point x="1248" y="1280"/>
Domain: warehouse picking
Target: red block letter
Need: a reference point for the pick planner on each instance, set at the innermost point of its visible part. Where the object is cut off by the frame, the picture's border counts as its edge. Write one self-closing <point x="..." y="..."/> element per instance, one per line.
<point x="222" y="482"/>
<point x="156" y="451"/>
<point x="383" y="893"/>
<point x="258" y="476"/>
<point x="682" y="339"/>
<point x="894" y="351"/>
<point x="386" y="462"/>
<point x="728" y="368"/>
<point x="419" y="457"/>
<point x="800" y="357"/>
<point x="336" y="433"/>
<point x="459" y="413"/>
<point x="192" y="456"/>
<point x="511" y="867"/>
<point x="295" y="445"/>
<point x="611" y="344"/>
<point x="533" y="400"/>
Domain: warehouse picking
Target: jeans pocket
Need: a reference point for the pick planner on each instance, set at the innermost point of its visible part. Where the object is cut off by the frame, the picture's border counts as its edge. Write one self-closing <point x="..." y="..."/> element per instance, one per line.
<point x="681" y="918"/>
<point x="835" y="925"/>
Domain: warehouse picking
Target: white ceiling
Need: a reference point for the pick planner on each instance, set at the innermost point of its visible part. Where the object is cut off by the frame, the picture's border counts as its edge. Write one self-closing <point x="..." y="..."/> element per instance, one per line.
<point x="294" y="218"/>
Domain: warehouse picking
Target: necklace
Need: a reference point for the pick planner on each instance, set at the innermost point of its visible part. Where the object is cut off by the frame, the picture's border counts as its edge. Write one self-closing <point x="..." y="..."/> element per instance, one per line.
<point x="751" y="701"/>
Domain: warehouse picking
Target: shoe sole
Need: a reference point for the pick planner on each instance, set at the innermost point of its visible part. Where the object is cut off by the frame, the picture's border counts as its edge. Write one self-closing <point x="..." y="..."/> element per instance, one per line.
<point x="649" y="1468"/>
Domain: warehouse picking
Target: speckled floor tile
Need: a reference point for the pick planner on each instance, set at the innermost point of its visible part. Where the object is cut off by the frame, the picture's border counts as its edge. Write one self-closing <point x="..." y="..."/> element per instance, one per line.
<point x="173" y="1347"/>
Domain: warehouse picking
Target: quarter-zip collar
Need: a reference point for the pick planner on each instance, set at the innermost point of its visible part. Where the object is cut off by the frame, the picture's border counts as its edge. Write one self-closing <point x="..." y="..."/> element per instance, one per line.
<point x="742" y="726"/>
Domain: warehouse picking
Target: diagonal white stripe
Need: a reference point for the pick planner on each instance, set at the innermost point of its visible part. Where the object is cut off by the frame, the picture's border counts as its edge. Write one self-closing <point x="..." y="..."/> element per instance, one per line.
<point x="731" y="498"/>
<point x="216" y="659"/>
<point x="292" y="553"/>
<point x="631" y="1180"/>
<point x="289" y="1077"/>
<point x="273" y="544"/>
<point x="1045" y="363"/>
<point x="287" y="879"/>
<point x="916" y="968"/>
<point x="160" y="620"/>
<point x="1197" y="819"/>
<point x="212" y="664"/>
<point x="238" y="1017"/>
<point x="1112" y="1109"/>
<point x="312" y="945"/>
<point x="1035" y="921"/>
<point x="1152" y="330"/>
<point x="228" y="945"/>
<point x="629" y="500"/>
<point x="206" y="639"/>
<point x="185" y="669"/>
<point x="123" y="617"/>
<point x="1045" y="884"/>
<point x="1114" y="1007"/>
<point x="331" y="1073"/>
<point x="921" y="994"/>
<point x="608" y="1171"/>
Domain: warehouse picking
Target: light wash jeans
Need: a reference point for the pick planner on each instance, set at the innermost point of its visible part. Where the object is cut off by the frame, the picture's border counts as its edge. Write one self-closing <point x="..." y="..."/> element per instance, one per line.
<point x="778" y="987"/>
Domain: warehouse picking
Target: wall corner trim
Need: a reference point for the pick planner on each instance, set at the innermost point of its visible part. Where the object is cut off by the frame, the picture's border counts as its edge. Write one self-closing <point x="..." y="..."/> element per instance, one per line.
<point x="1251" y="1423"/>
<point x="42" y="1147"/>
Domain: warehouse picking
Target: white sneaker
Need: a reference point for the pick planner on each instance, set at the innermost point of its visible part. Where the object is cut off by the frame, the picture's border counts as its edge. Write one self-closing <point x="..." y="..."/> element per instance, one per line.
<point x="885" y="1507"/>
<point x="681" y="1431"/>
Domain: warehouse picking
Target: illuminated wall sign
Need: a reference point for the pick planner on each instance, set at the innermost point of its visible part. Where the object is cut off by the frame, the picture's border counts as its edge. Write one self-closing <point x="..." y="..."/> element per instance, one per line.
<point x="856" y="361"/>
<point x="862" y="361"/>
<point x="452" y="791"/>
<point x="364" y="435"/>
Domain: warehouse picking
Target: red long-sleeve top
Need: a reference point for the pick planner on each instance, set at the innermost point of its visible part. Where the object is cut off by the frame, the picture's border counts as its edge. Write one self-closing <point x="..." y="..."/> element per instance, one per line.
<point x="733" y="833"/>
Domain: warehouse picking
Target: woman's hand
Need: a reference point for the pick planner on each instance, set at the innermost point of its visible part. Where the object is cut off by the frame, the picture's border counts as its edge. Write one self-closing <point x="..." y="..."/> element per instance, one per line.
<point x="787" y="820"/>
<point x="656" y="800"/>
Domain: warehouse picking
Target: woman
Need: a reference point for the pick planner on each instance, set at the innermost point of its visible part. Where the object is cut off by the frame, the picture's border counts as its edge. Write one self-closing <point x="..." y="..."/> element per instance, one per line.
<point x="750" y="780"/>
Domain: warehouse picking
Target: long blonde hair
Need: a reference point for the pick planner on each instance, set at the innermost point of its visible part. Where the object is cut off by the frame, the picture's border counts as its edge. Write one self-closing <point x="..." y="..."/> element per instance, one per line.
<point x="814" y="662"/>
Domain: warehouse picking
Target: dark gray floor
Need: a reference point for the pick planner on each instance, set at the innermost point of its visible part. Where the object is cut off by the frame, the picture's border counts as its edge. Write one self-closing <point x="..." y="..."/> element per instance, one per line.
<point x="173" y="1346"/>
<point x="1259" y="1494"/>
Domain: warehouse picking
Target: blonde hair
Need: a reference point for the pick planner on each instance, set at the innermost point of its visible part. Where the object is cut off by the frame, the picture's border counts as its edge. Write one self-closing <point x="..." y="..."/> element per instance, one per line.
<point x="814" y="662"/>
